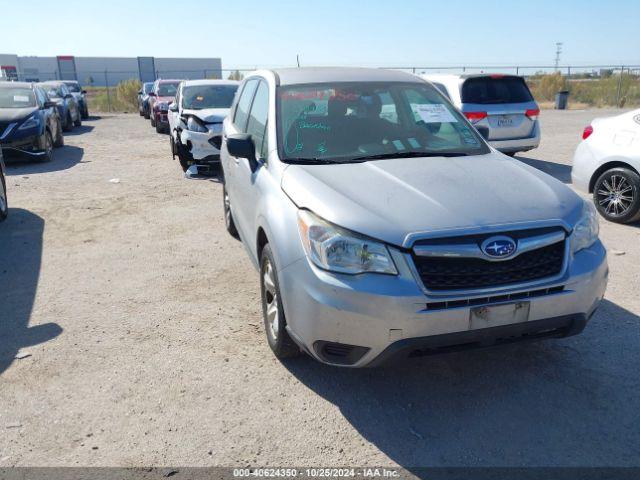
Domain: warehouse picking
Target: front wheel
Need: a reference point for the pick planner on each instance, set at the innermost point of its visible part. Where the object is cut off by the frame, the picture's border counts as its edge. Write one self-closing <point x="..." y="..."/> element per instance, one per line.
<point x="4" y="205"/>
<point x="48" y="148"/>
<point x="616" y="195"/>
<point x="78" y="121"/>
<point x="274" y="320"/>
<point x="59" y="142"/>
<point x="68" y="123"/>
<point x="228" y="216"/>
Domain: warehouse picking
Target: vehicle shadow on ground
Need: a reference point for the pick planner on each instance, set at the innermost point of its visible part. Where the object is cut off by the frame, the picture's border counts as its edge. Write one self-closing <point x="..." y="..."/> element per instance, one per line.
<point x="561" y="402"/>
<point x="20" y="263"/>
<point x="63" y="159"/>
<point x="560" y="171"/>
<point x="79" y="130"/>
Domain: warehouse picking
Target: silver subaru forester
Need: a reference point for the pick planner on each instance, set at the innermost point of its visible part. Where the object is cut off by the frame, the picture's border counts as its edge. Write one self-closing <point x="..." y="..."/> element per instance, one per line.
<point x="384" y="226"/>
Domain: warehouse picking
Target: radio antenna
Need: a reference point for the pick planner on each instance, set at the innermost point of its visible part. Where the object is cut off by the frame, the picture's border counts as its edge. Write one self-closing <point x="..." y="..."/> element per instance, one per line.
<point x="298" y="59"/>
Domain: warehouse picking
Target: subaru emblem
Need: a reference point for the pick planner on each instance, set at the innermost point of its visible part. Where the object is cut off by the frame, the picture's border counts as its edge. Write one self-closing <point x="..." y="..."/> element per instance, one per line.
<point x="499" y="247"/>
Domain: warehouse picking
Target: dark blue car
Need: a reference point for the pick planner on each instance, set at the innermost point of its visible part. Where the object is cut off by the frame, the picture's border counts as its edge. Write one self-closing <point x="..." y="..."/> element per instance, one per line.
<point x="68" y="108"/>
<point x="29" y="122"/>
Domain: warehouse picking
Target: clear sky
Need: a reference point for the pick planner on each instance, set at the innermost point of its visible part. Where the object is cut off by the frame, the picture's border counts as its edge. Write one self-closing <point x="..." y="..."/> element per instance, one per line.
<point x="248" y="33"/>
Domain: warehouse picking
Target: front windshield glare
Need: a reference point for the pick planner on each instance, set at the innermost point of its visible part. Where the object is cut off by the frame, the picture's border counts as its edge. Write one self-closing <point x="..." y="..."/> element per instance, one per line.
<point x="17" y="98"/>
<point x="355" y="121"/>
<point x="198" y="97"/>
<point x="73" y="87"/>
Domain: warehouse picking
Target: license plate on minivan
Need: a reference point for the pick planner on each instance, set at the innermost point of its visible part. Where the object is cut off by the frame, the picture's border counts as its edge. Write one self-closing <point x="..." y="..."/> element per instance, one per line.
<point x="505" y="121"/>
<point x="497" y="315"/>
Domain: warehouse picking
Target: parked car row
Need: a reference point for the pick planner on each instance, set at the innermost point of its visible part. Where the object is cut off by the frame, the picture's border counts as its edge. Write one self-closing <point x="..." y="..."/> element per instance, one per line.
<point x="191" y="112"/>
<point x="33" y="117"/>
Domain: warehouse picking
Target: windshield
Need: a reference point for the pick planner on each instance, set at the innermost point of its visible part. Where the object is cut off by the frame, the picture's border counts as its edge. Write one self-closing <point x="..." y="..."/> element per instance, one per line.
<point x="493" y="90"/>
<point x="168" y="89"/>
<point x="53" y="92"/>
<point x="198" y="97"/>
<point x="73" y="87"/>
<point x="17" y="98"/>
<point x="147" y="87"/>
<point x="364" y="120"/>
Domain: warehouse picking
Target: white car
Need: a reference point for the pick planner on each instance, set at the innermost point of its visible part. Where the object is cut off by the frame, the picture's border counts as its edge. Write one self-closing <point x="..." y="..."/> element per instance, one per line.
<point x="606" y="164"/>
<point x="195" y="121"/>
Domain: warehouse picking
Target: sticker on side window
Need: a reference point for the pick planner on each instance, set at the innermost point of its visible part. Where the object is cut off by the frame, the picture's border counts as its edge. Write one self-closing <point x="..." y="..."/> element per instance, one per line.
<point x="20" y="98"/>
<point x="434" y="113"/>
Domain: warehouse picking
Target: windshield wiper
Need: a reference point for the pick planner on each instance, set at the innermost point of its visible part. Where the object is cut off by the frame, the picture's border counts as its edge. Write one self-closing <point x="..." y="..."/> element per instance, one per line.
<point x="313" y="161"/>
<point x="412" y="154"/>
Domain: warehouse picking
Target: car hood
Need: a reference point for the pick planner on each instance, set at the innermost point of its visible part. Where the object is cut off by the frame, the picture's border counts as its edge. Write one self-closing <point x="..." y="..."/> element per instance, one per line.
<point x="12" y="114"/>
<point x="395" y="200"/>
<point x="209" y="115"/>
<point x="165" y="99"/>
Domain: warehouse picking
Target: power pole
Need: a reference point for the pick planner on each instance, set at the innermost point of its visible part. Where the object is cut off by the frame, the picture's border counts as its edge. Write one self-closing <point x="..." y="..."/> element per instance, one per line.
<point x="558" y="52"/>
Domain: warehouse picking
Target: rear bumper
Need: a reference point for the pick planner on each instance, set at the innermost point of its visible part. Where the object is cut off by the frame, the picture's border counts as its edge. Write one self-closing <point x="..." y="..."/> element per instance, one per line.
<point x="510" y="145"/>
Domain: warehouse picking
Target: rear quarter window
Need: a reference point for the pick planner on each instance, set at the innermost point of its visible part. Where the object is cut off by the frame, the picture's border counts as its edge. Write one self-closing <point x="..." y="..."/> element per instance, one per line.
<point x="494" y="90"/>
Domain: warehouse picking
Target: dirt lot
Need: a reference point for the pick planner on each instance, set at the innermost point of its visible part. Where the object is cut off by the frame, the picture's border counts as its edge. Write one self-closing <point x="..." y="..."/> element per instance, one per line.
<point x="138" y="322"/>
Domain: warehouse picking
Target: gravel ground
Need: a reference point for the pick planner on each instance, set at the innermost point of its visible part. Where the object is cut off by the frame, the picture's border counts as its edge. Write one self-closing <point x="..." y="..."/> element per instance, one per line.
<point x="131" y="335"/>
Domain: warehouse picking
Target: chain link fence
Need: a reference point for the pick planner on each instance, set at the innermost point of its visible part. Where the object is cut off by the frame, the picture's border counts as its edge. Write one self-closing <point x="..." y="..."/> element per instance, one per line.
<point x="588" y="85"/>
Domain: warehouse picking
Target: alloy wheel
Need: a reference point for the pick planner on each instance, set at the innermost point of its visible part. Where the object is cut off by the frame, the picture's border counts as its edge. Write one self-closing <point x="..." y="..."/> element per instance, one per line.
<point x="615" y="196"/>
<point x="271" y="300"/>
<point x="227" y="209"/>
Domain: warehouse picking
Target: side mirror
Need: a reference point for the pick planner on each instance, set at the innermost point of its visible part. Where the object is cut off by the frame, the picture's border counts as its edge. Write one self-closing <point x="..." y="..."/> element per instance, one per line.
<point x="84" y="92"/>
<point x="173" y="107"/>
<point x="151" y="94"/>
<point x="68" y="95"/>
<point x="484" y="132"/>
<point x="241" y="145"/>
<point x="140" y="92"/>
<point x="49" y="104"/>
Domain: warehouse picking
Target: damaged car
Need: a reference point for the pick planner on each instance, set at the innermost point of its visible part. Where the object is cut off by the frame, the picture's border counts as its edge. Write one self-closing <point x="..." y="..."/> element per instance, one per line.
<point x="195" y="122"/>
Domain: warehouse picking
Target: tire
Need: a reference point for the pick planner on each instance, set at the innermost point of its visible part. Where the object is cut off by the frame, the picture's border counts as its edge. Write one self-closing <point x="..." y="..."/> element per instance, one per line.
<point x="78" y="122"/>
<point x="159" y="128"/>
<point x="59" y="142"/>
<point x="68" y="123"/>
<point x="141" y="112"/>
<point x="273" y="314"/>
<point x="616" y="195"/>
<point x="228" y="216"/>
<point x="172" y="145"/>
<point x="4" y="204"/>
<point x="153" y="121"/>
<point x="84" y="113"/>
<point x="48" y="156"/>
<point x="146" y="114"/>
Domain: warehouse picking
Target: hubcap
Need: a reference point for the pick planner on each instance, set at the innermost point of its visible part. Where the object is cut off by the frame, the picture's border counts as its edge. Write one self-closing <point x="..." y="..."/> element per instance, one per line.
<point x="616" y="196"/>
<point x="271" y="300"/>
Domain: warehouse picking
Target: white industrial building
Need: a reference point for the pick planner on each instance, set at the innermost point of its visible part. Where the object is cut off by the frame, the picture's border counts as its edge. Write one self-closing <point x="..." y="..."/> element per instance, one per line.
<point x="102" y="71"/>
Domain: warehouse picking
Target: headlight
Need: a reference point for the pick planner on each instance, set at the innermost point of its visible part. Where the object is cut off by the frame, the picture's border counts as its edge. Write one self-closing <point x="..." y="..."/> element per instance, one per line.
<point x="339" y="250"/>
<point x="585" y="232"/>
<point x="195" y="126"/>
<point x="32" y="122"/>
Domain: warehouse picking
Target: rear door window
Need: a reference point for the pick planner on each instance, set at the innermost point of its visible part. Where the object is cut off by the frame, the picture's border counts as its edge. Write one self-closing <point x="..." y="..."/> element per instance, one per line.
<point x="494" y="90"/>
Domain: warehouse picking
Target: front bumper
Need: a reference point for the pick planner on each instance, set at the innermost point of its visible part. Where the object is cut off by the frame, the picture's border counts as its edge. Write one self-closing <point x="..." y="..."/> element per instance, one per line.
<point x="30" y="146"/>
<point x="201" y="146"/>
<point x="161" y="118"/>
<point x="382" y="313"/>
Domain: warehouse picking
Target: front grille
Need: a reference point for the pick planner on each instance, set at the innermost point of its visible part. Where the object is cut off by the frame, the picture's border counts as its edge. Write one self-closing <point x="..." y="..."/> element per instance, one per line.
<point x="476" y="302"/>
<point x="446" y="273"/>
